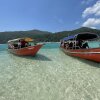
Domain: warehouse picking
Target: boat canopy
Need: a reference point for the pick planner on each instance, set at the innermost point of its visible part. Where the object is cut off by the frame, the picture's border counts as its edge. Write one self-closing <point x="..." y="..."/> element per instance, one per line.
<point x="14" y="40"/>
<point x="86" y="36"/>
<point x="81" y="36"/>
<point x="69" y="38"/>
<point x="26" y="39"/>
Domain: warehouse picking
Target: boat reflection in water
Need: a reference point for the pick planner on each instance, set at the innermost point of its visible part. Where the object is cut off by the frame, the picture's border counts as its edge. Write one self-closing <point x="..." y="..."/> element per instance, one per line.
<point x="23" y="47"/>
<point x="77" y="45"/>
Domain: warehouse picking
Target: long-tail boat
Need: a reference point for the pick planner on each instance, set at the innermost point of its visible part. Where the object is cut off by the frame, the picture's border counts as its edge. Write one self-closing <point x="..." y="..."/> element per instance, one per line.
<point x="27" y="49"/>
<point x="78" y="46"/>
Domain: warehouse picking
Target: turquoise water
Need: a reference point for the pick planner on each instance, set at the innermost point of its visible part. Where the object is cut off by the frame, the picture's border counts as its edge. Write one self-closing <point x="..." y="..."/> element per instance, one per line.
<point x="94" y="44"/>
<point x="51" y="75"/>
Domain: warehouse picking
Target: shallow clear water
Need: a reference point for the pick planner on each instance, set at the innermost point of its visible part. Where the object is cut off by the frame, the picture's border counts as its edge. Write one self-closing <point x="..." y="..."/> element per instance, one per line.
<point x="94" y="44"/>
<point x="51" y="75"/>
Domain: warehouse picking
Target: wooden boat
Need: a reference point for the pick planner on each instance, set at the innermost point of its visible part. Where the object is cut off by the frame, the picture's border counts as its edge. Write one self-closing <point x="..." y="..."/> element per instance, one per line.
<point x="92" y="54"/>
<point x="29" y="50"/>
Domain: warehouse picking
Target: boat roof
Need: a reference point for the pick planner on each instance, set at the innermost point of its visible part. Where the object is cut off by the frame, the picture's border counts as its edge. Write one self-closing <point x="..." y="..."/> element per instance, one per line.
<point x="69" y="38"/>
<point x="25" y="38"/>
<point x="82" y="36"/>
<point x="86" y="36"/>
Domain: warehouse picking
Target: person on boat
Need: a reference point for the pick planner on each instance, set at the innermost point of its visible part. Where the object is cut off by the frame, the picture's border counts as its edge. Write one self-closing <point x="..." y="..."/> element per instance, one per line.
<point x="61" y="43"/>
<point x="23" y="43"/>
<point x="15" y="46"/>
<point x="70" y="45"/>
<point x="85" y="45"/>
<point x="80" y="43"/>
<point x="67" y="45"/>
<point x="26" y="44"/>
<point x="19" y="44"/>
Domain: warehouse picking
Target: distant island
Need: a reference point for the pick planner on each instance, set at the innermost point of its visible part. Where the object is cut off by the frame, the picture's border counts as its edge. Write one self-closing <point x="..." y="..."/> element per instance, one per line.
<point x="43" y="36"/>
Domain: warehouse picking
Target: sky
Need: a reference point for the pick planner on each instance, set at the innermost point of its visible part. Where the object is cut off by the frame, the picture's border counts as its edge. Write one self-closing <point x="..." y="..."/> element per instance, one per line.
<point x="49" y="15"/>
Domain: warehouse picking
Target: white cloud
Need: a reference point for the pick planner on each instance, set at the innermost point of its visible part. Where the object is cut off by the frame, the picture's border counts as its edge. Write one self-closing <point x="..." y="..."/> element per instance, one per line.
<point x="86" y="2"/>
<point x="93" y="27"/>
<point x="91" y="22"/>
<point x="95" y="9"/>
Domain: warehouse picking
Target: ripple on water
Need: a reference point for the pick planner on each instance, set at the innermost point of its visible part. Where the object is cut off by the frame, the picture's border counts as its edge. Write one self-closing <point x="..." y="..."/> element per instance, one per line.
<point x="50" y="75"/>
